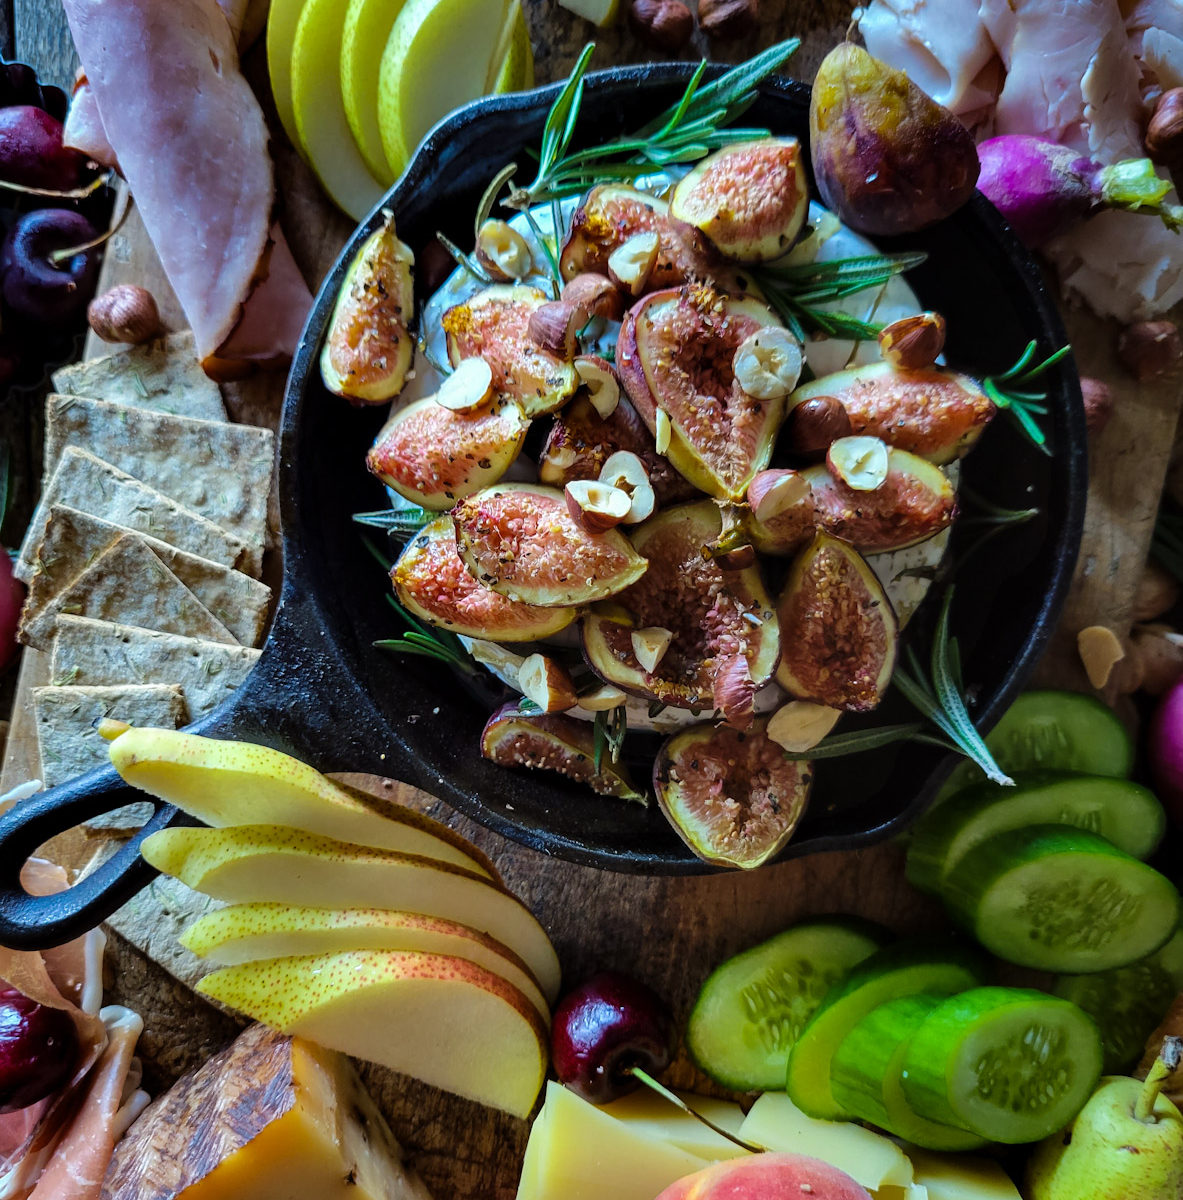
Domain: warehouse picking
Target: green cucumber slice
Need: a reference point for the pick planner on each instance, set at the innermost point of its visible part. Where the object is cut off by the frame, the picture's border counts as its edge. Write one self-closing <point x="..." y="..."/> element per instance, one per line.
<point x="1061" y="899"/>
<point x="752" y="1008"/>
<point x="1125" y="813"/>
<point x="1061" y="731"/>
<point x="1009" y="1064"/>
<point x="1128" y="1003"/>
<point x="865" y="1075"/>
<point x="905" y="969"/>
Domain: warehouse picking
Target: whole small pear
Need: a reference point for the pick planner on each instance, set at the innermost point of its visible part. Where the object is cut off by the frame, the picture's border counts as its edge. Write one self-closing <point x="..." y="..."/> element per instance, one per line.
<point x="1126" y="1142"/>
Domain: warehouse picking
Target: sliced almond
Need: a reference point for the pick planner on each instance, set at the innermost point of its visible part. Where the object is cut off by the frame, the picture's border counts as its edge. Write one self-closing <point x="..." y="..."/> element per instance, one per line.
<point x="603" y="388"/>
<point x="602" y="699"/>
<point x="774" y="492"/>
<point x="555" y="327"/>
<point x="767" y="363"/>
<point x="860" y="462"/>
<point x="469" y="387"/>
<point x="650" y="645"/>
<point x="1100" y="651"/>
<point x="547" y="683"/>
<point x="624" y="470"/>
<point x="109" y="728"/>
<point x="664" y="430"/>
<point x="503" y="252"/>
<point x="798" y="726"/>
<point x="596" y="506"/>
<point x="632" y="262"/>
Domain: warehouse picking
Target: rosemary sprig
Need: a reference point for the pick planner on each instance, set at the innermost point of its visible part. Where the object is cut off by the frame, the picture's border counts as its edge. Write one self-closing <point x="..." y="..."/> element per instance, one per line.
<point x="420" y="639"/>
<point x="699" y="122"/>
<point x="401" y="522"/>
<point x="795" y="291"/>
<point x="609" y="729"/>
<point x="1009" y="392"/>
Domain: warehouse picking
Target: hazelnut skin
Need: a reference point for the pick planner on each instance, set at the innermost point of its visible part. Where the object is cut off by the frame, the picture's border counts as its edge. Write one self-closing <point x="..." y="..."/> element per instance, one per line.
<point x="815" y="423"/>
<point x="124" y="313"/>
<point x="662" y="24"/>
<point x="1149" y="349"/>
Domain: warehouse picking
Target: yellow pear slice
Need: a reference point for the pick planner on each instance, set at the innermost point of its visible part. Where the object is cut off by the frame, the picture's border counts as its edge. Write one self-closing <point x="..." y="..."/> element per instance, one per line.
<point x="282" y="20"/>
<point x="442" y="1020"/>
<point x="245" y="933"/>
<point x="367" y="30"/>
<point x="250" y="863"/>
<point x="321" y="123"/>
<point x="239" y="783"/>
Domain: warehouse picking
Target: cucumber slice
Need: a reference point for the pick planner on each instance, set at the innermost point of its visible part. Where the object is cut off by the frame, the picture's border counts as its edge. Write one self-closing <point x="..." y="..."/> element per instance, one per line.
<point x="1061" y="899"/>
<point x="865" y="1075"/>
<point x="752" y="1008"/>
<point x="1128" y="1003"/>
<point x="1125" y="813"/>
<point x="1061" y="731"/>
<point x="1009" y="1064"/>
<point x="905" y="969"/>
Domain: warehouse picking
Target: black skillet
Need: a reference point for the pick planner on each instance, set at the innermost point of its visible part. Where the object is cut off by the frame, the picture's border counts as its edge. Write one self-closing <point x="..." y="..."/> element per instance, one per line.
<point x="321" y="691"/>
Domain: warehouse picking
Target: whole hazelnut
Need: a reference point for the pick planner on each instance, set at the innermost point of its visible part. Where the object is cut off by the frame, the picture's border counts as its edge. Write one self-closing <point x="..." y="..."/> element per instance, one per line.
<point x="1098" y="403"/>
<point x="1149" y="349"/>
<point x="725" y="20"/>
<point x="663" y="24"/>
<point x="815" y="423"/>
<point x="1164" y="134"/>
<point x="594" y="296"/>
<point x="913" y="343"/>
<point x="125" y="313"/>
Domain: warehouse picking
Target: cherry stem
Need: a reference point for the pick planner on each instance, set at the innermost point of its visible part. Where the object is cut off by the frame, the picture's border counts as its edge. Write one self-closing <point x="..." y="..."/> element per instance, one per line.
<point x="676" y="1100"/>
<point x="1165" y="1065"/>
<point x="122" y="207"/>
<point x="78" y="193"/>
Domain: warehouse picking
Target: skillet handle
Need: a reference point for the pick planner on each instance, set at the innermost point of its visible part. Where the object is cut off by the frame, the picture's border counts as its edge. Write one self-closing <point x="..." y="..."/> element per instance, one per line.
<point x="35" y="922"/>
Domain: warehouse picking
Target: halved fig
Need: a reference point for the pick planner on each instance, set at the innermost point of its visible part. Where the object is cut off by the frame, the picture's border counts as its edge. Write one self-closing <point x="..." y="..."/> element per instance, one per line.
<point x="722" y="621"/>
<point x="553" y="742"/>
<point x="581" y="441"/>
<point x="837" y="629"/>
<point x="932" y="412"/>
<point x="675" y="355"/>
<point x="434" y="455"/>
<point x="750" y="199"/>
<point x="912" y="504"/>
<point x="782" y="513"/>
<point x="730" y="794"/>
<point x="612" y="213"/>
<point x="521" y="541"/>
<point x="431" y="581"/>
<point x="493" y="324"/>
<point x="368" y="349"/>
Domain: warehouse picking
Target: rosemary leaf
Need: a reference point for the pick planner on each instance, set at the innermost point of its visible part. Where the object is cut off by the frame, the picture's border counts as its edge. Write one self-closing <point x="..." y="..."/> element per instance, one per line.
<point x="838" y="745"/>
<point x="599" y="739"/>
<point x="397" y="520"/>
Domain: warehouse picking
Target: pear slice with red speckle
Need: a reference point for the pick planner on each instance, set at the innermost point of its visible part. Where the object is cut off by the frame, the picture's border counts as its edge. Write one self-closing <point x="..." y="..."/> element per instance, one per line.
<point x="440" y="1019"/>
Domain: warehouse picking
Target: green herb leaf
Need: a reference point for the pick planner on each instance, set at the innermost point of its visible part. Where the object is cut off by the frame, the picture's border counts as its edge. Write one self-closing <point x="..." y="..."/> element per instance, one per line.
<point x="1007" y="393"/>
<point x="398" y="521"/>
<point x="838" y="745"/>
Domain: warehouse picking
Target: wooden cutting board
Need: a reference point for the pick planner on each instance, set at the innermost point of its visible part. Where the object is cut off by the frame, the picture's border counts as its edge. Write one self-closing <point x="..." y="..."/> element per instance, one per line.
<point x="668" y="932"/>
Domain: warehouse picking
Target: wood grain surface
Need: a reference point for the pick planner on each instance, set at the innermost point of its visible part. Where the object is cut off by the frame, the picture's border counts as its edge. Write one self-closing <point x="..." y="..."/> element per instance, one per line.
<point x="668" y="932"/>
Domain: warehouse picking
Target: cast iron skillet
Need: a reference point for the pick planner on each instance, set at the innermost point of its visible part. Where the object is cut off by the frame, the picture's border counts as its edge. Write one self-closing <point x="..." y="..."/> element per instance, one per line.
<point x="321" y="691"/>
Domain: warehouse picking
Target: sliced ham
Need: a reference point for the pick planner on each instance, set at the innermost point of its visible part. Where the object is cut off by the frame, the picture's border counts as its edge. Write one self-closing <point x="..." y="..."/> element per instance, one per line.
<point x="191" y="141"/>
<point x="83" y="129"/>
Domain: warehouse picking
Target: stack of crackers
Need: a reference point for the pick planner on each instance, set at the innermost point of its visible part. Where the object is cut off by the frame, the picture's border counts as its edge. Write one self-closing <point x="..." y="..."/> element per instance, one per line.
<point x="144" y="556"/>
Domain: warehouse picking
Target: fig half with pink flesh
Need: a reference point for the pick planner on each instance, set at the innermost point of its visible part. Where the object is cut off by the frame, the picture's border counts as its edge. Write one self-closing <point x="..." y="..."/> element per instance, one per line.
<point x="434" y="456"/>
<point x="730" y="794"/>
<point x="932" y="412"/>
<point x="782" y="515"/>
<point x="725" y="640"/>
<point x="521" y="540"/>
<point x="581" y="441"/>
<point x="554" y="742"/>
<point x="432" y="582"/>
<point x="915" y="502"/>
<point x="750" y="199"/>
<point x="675" y="355"/>
<point x="612" y="213"/>
<point x="368" y="348"/>
<point x="493" y="325"/>
<point x="837" y="628"/>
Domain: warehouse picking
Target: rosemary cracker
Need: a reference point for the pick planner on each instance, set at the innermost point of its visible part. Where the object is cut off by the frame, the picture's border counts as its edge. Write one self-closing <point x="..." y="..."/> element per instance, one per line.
<point x="103" y="653"/>
<point x="104" y="591"/>
<point x="75" y="539"/>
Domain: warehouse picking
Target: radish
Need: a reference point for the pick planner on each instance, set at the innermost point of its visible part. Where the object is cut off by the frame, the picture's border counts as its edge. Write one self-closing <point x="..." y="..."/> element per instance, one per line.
<point x="1043" y="189"/>
<point x="12" y="596"/>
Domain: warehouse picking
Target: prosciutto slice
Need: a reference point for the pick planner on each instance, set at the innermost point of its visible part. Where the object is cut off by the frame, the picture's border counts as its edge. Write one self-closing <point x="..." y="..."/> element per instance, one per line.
<point x="191" y="141"/>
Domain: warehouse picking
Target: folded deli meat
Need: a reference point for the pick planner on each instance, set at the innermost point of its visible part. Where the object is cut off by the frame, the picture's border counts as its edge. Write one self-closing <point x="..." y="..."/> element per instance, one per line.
<point x="190" y="138"/>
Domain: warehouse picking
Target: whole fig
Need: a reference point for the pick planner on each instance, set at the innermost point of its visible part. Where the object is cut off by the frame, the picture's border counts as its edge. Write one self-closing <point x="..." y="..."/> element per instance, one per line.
<point x="888" y="159"/>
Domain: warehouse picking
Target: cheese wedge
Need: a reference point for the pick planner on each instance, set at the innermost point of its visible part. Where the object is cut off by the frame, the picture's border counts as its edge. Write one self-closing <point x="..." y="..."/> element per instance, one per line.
<point x="961" y="1177"/>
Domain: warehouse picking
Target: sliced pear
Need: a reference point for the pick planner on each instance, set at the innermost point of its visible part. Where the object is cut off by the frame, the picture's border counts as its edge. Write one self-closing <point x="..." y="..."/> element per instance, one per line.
<point x="270" y="863"/>
<point x="238" y="783"/>
<point x="442" y="1020"/>
<point x="245" y="933"/>
<point x="282" y="20"/>
<point x="321" y="125"/>
<point x="442" y="54"/>
<point x="366" y="31"/>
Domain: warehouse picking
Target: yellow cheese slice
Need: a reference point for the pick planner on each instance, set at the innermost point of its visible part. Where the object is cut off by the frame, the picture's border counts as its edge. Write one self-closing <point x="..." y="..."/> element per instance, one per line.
<point x="913" y="1191"/>
<point x="651" y="1115"/>
<point x="776" y="1123"/>
<point x="961" y="1177"/>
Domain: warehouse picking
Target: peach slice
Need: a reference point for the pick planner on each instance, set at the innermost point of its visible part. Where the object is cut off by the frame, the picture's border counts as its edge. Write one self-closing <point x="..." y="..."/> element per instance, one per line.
<point x="767" y="1177"/>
